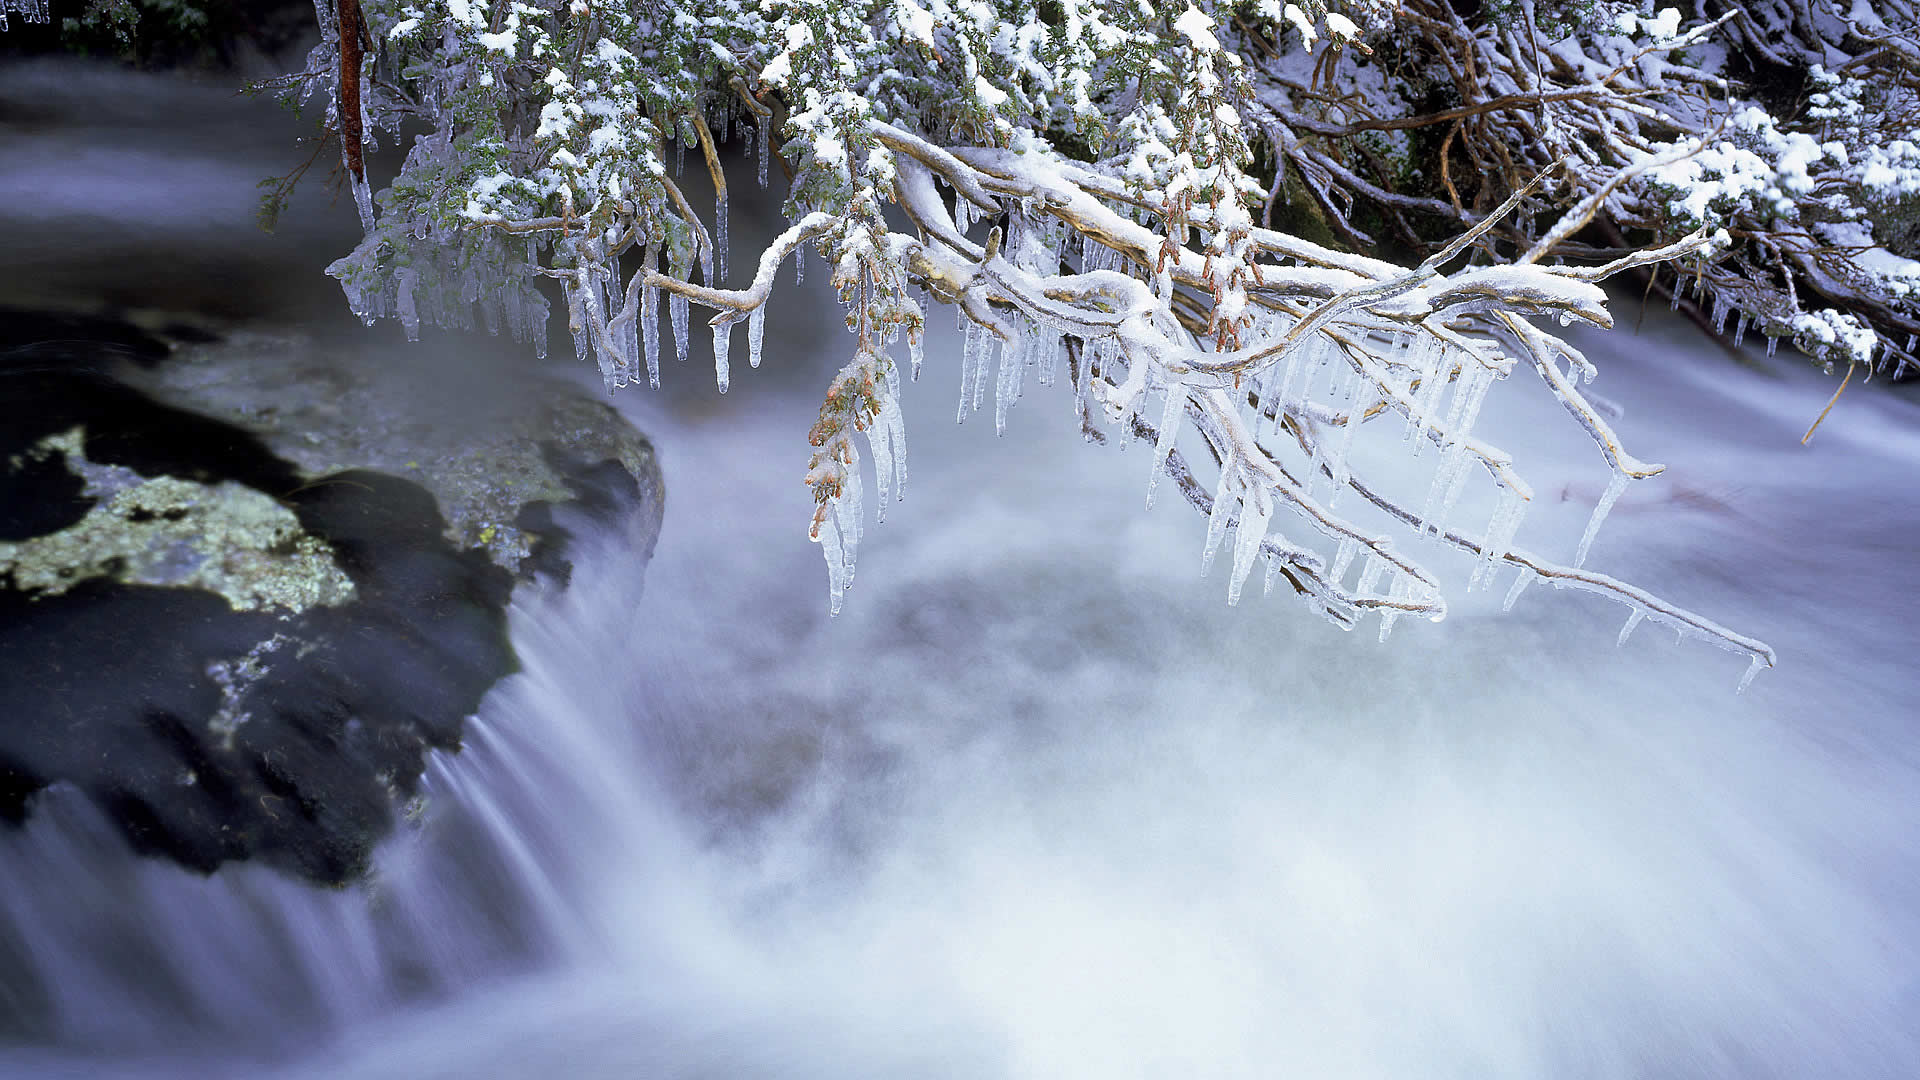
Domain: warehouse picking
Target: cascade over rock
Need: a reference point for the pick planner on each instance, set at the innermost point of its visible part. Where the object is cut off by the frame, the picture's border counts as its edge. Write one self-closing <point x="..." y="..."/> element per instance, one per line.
<point x="246" y="584"/>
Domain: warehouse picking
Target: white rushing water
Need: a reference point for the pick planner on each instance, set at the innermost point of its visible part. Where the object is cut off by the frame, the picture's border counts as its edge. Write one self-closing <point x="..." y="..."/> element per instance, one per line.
<point x="1040" y="805"/>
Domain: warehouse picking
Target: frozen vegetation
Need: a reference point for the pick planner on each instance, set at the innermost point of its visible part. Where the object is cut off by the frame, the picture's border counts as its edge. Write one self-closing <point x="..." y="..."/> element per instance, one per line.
<point x="1177" y="213"/>
<point x="1035" y="806"/>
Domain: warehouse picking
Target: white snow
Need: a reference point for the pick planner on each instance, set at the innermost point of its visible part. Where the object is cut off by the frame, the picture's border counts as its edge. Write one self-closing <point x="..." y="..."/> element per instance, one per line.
<point x="1197" y="28"/>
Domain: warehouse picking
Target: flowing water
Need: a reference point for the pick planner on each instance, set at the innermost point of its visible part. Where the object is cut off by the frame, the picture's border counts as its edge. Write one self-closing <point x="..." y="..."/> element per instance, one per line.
<point x="1039" y="804"/>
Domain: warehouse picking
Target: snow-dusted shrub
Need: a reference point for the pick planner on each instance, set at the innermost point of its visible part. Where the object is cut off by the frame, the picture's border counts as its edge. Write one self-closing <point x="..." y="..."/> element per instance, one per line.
<point x="1792" y="125"/>
<point x="1091" y="186"/>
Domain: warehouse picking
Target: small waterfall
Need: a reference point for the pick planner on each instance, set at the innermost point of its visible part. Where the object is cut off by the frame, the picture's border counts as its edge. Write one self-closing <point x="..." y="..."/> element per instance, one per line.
<point x="117" y="955"/>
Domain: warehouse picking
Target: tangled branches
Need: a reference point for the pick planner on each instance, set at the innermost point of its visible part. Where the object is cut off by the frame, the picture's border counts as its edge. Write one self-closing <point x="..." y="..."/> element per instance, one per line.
<point x="1808" y="163"/>
<point x="1083" y="191"/>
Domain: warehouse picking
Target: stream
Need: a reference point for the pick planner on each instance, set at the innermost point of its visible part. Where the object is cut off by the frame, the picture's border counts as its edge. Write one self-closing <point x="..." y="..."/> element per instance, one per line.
<point x="1039" y="803"/>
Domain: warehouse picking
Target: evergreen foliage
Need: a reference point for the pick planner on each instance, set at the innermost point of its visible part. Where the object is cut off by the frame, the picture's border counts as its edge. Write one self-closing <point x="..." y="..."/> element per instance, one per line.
<point x="1119" y="194"/>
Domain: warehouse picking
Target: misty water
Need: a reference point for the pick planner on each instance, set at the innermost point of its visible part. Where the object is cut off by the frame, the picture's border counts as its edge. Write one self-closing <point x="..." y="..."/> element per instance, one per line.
<point x="1039" y="803"/>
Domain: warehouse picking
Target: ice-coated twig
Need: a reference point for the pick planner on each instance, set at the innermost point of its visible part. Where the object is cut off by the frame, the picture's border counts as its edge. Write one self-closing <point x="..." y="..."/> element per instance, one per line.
<point x="1269" y="351"/>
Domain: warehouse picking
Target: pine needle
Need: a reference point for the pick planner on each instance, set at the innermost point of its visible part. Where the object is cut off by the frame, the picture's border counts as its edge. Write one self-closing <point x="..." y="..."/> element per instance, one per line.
<point x="1829" y="408"/>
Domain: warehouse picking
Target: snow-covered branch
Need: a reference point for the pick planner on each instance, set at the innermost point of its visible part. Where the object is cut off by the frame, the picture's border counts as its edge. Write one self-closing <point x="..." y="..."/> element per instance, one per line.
<point x="1156" y="195"/>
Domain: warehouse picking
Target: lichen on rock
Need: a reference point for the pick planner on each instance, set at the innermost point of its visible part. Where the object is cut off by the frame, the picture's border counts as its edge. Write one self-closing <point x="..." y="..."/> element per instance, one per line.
<point x="225" y="538"/>
<point x="248" y="586"/>
<point x="473" y="428"/>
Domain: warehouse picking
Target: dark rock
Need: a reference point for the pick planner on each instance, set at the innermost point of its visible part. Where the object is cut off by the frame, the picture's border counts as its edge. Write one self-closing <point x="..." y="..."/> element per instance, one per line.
<point x="247" y="586"/>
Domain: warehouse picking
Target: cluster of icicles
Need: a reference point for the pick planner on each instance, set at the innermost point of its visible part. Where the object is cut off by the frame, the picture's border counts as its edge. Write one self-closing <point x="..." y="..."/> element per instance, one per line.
<point x="635" y="336"/>
<point x="839" y="533"/>
<point x="1724" y="307"/>
<point x="1315" y="396"/>
<point x="427" y="292"/>
<point x="33" y="11"/>
<point x="1329" y="389"/>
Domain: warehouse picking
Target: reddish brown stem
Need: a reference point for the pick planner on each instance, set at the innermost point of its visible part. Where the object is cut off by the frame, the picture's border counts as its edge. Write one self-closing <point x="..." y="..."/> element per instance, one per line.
<point x="350" y="56"/>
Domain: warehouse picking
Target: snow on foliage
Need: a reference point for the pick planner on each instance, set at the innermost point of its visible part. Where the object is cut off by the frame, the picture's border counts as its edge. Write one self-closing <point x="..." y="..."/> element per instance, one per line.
<point x="1177" y="211"/>
<point x="29" y="10"/>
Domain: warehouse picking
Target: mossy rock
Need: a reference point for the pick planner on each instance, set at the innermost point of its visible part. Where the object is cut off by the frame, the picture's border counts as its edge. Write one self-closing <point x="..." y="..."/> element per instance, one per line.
<point x="247" y="587"/>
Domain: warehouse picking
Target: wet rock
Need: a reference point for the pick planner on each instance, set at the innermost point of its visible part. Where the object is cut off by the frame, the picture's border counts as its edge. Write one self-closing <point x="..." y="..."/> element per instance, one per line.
<point x="247" y="585"/>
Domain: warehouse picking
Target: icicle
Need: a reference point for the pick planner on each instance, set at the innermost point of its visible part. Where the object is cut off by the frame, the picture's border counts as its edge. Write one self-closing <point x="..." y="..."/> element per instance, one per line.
<point x="1170" y="414"/>
<point x="1276" y="423"/>
<point x="1023" y="358"/>
<point x="1256" y="510"/>
<point x="678" y="305"/>
<point x="1318" y="464"/>
<point x="1444" y="489"/>
<point x="848" y="506"/>
<point x="1773" y="343"/>
<point x="1131" y="418"/>
<point x="722" y="337"/>
<point x="363" y="197"/>
<point x="1294" y="357"/>
<point x="1739" y="329"/>
<point x="1217" y="519"/>
<point x="800" y="268"/>
<point x="1004" y="385"/>
<point x="577" y="325"/>
<point x="916" y="351"/>
<point x="1341" y="472"/>
<point x="720" y="242"/>
<point x="828" y="537"/>
<point x="516" y="314"/>
<point x="1050" y="349"/>
<point x="756" y="333"/>
<point x="1329" y="358"/>
<point x="1370" y="574"/>
<point x="1754" y="664"/>
<point x="1500" y="532"/>
<point x="980" y="367"/>
<point x="1272" y="576"/>
<point x="1679" y="287"/>
<point x="764" y="127"/>
<point x="1462" y="469"/>
<point x="403" y="282"/>
<point x="630" y="346"/>
<point x="1083" y="390"/>
<point x="1104" y="350"/>
<point x="969" y="355"/>
<point x="680" y="155"/>
<point x="1519" y="586"/>
<point x="1416" y="372"/>
<point x="650" y="323"/>
<point x="880" y="443"/>
<point x="1389" y="616"/>
<point x="1633" y="620"/>
<point x="490" y="314"/>
<point x="1343" y="558"/>
<point x="1481" y="382"/>
<point x="1615" y="486"/>
<point x="1433" y="383"/>
<point x="895" y="424"/>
